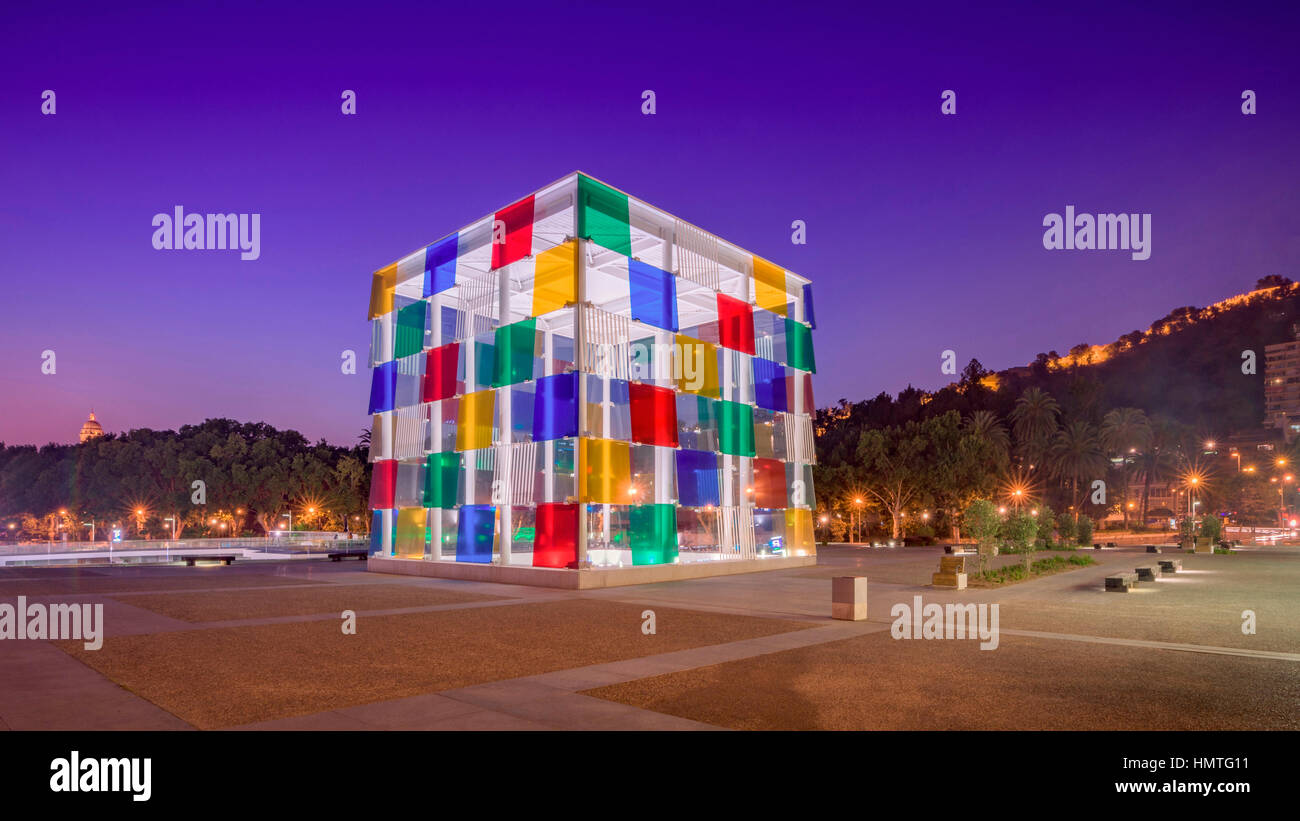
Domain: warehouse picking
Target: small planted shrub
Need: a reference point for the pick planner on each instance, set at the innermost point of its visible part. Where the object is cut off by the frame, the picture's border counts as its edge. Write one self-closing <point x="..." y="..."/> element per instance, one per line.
<point x="1065" y="528"/>
<point x="1085" y="530"/>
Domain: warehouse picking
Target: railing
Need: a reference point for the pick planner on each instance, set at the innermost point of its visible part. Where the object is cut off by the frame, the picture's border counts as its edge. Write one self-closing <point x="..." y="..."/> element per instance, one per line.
<point x="298" y="542"/>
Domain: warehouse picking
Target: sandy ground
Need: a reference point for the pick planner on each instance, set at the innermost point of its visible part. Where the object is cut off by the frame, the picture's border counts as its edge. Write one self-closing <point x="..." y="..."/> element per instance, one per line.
<point x="227" y="605"/>
<point x="193" y="647"/>
<point x="877" y="683"/>
<point x="237" y="675"/>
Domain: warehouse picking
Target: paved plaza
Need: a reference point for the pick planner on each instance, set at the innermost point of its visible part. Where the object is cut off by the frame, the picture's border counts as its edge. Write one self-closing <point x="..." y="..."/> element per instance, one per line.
<point x="260" y="645"/>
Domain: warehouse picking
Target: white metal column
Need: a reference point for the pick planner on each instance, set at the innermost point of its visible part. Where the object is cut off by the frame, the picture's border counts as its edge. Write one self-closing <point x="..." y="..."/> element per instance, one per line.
<point x="504" y="395"/>
<point x="580" y="355"/>
<point x="435" y="431"/>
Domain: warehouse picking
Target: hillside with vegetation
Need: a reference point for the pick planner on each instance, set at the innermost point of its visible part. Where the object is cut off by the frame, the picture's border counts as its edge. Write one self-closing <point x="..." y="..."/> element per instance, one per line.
<point x="1135" y="410"/>
<point x="253" y="475"/>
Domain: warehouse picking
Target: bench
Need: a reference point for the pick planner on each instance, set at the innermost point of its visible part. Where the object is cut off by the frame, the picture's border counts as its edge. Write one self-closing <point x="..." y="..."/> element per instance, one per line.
<point x="1171" y="565"/>
<point x="952" y="573"/>
<point x="1110" y="544"/>
<point x="191" y="560"/>
<point x="1153" y="548"/>
<point x="1148" y="573"/>
<point x="1121" y="582"/>
<point x="358" y="553"/>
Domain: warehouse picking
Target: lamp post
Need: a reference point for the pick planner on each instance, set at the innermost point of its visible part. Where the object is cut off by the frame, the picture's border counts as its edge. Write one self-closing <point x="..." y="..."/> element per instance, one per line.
<point x="168" y="549"/>
<point x="857" y="530"/>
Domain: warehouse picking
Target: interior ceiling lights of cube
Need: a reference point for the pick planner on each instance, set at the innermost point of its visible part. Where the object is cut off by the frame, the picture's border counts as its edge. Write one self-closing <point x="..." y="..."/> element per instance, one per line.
<point x="583" y="380"/>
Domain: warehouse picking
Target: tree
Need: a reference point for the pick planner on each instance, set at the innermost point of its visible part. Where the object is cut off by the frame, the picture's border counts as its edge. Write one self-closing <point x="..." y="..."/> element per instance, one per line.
<point x="1124" y="432"/>
<point x="960" y="463"/>
<point x="1160" y="455"/>
<point x="1020" y="530"/>
<point x="1212" y="529"/>
<point x="1034" y="423"/>
<point x="1065" y="529"/>
<point x="985" y="426"/>
<point x="1046" y="525"/>
<point x="1085" y="530"/>
<point x="1075" y="454"/>
<point x="983" y="523"/>
<point x="892" y="460"/>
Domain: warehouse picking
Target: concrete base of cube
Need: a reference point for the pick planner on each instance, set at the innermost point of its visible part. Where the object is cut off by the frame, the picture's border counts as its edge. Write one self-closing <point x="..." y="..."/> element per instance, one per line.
<point x="849" y="598"/>
<point x="584" y="579"/>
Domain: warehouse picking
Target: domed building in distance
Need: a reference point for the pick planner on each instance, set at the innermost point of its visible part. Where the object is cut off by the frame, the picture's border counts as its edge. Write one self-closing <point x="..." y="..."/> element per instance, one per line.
<point x="91" y="429"/>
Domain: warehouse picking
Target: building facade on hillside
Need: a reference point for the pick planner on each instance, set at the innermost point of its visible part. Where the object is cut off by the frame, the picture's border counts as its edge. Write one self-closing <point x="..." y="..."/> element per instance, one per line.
<point x="582" y="380"/>
<point x="1282" y="387"/>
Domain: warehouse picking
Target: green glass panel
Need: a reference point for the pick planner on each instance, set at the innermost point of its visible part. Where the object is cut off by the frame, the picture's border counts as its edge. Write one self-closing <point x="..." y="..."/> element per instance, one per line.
<point x="440" y="480"/>
<point x="735" y="428"/>
<point x="484" y="365"/>
<point x="603" y="216"/>
<point x="515" y="345"/>
<point x="410" y="329"/>
<point x="654" y="534"/>
<point x="799" y="346"/>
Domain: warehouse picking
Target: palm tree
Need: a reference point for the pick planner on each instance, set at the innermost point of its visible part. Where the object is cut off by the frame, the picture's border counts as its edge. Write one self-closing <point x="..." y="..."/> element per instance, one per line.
<point x="1124" y="432"/>
<point x="1160" y="455"/>
<point x="1075" y="454"/>
<point x="1034" y="422"/>
<point x="985" y="426"/>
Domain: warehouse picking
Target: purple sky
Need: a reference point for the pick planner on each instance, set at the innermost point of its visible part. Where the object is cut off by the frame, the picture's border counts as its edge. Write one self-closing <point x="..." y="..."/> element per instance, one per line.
<point x="924" y="231"/>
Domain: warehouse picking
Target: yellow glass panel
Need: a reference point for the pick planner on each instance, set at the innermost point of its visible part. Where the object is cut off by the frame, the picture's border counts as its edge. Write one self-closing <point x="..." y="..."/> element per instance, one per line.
<point x="697" y="367"/>
<point x="604" y="470"/>
<point x="799" y="537"/>
<point x="474" y="420"/>
<point x="381" y="291"/>
<point x="769" y="286"/>
<point x="412" y="525"/>
<point x="555" y="278"/>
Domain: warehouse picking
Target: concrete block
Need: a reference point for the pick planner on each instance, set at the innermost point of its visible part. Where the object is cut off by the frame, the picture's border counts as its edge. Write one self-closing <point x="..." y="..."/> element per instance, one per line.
<point x="955" y="581"/>
<point x="1148" y="573"/>
<point x="849" y="598"/>
<point x="1171" y="565"/>
<point x="1153" y="548"/>
<point x="1121" y="582"/>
